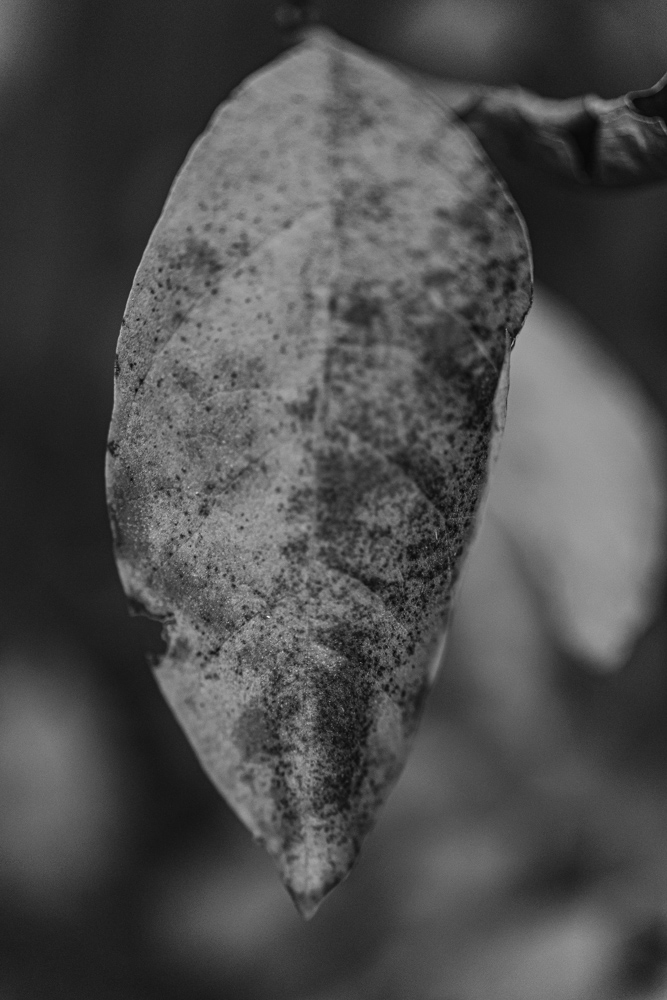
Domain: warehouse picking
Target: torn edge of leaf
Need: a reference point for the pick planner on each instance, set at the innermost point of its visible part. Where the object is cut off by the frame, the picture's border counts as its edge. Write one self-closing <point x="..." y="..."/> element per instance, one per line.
<point x="583" y="140"/>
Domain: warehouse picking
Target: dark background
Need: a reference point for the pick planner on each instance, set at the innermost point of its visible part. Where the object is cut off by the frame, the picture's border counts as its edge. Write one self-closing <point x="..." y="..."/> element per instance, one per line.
<point x="121" y="872"/>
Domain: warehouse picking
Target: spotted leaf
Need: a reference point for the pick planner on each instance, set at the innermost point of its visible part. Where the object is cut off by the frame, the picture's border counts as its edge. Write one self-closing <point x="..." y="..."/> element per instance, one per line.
<point x="311" y="374"/>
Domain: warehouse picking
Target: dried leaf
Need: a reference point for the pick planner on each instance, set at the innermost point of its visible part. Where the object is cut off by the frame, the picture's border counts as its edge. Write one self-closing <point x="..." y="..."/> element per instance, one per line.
<point x="581" y="486"/>
<point x="310" y="374"/>
<point x="586" y="140"/>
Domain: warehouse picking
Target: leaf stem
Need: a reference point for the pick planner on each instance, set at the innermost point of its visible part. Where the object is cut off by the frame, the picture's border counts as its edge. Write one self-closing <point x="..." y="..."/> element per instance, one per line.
<point x="292" y="17"/>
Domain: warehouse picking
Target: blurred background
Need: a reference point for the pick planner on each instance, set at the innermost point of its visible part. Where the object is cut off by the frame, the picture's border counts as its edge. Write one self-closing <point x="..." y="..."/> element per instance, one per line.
<point x="523" y="854"/>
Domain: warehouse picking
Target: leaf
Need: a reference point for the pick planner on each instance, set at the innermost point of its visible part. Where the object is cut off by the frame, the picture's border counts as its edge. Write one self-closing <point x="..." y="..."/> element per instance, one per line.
<point x="500" y="652"/>
<point x="581" y="487"/>
<point x="586" y="140"/>
<point x="311" y="370"/>
<point x="63" y="787"/>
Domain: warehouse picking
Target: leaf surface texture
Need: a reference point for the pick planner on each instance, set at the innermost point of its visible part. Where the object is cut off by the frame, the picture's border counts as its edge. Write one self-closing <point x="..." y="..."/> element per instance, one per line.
<point x="311" y="374"/>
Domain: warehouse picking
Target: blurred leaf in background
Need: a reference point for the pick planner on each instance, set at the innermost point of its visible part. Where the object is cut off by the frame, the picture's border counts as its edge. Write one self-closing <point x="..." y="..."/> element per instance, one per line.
<point x="581" y="487"/>
<point x="64" y="790"/>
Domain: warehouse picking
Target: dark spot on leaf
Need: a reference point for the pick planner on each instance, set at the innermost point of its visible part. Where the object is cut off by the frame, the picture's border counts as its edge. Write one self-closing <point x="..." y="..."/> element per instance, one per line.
<point x="304" y="409"/>
<point x="201" y="257"/>
<point x="296" y="550"/>
<point x="376" y="204"/>
<point x="362" y="310"/>
<point x="299" y="501"/>
<point x="429" y="152"/>
<point x="241" y="246"/>
<point x="252" y="734"/>
<point x="345" y="696"/>
<point x="343" y="483"/>
<point x="421" y="469"/>
<point x="441" y="278"/>
<point x="350" y="114"/>
<point x="470" y="215"/>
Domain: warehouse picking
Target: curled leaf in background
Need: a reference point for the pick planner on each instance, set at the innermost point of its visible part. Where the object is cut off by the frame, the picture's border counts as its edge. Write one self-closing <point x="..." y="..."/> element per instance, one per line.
<point x="311" y="379"/>
<point x="583" y="140"/>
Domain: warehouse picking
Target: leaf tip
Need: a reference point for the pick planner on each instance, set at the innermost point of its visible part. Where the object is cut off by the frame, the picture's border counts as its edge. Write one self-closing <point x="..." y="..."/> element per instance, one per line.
<point x="308" y="893"/>
<point x="314" y="865"/>
<point x="307" y="903"/>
